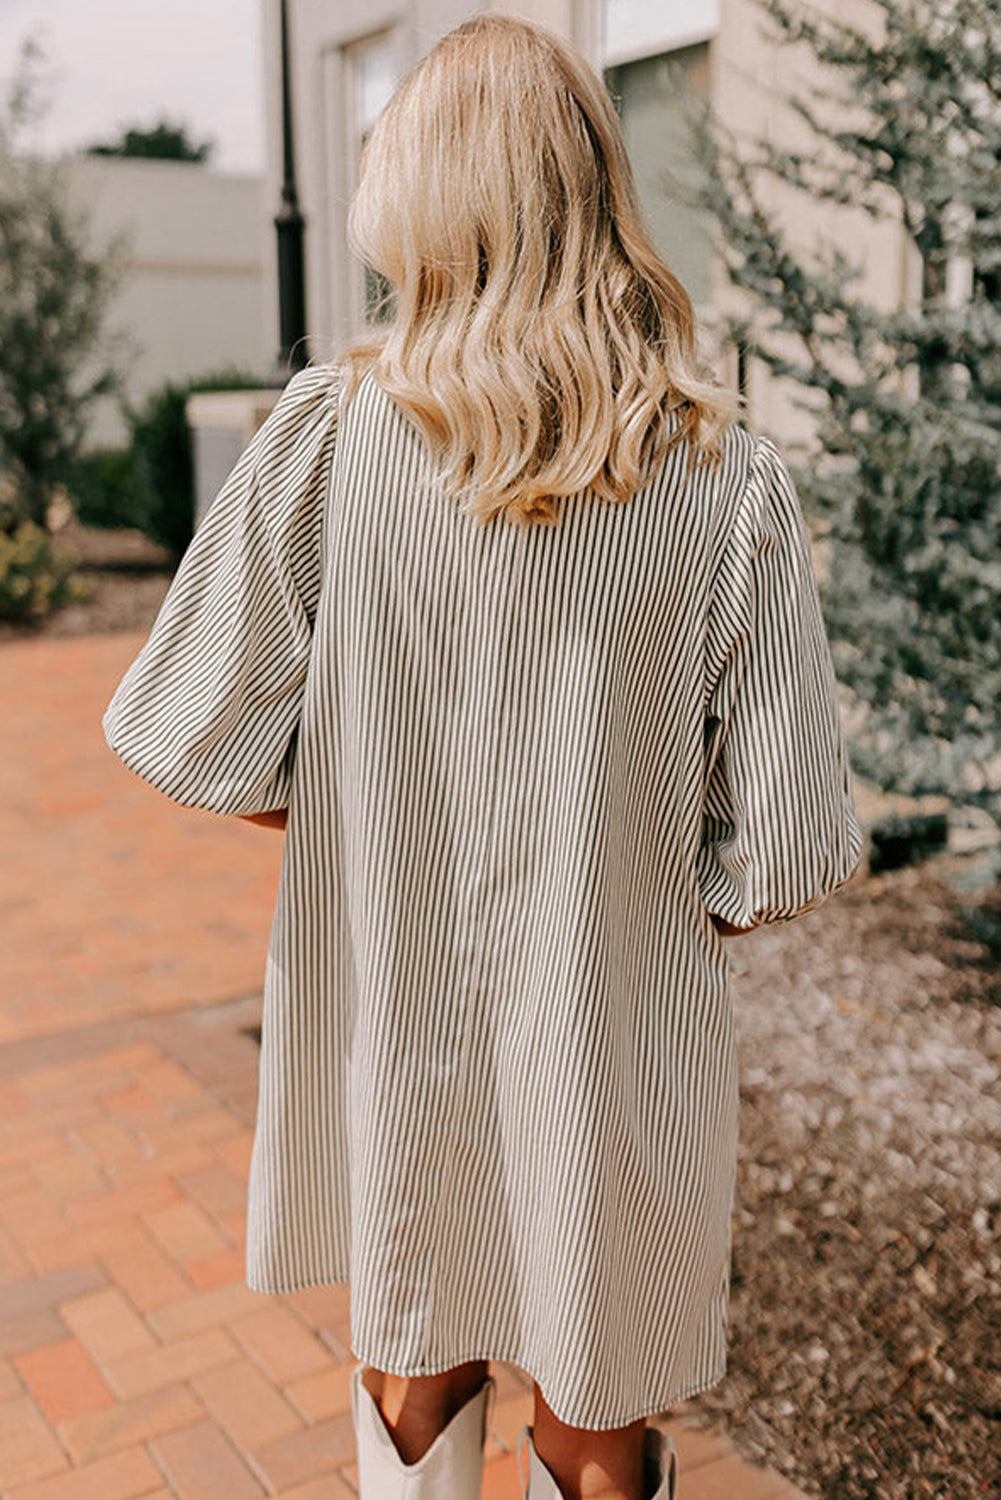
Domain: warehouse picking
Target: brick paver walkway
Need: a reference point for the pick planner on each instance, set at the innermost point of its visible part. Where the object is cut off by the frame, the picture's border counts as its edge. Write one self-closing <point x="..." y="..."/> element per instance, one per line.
<point x="114" y="900"/>
<point x="134" y="1361"/>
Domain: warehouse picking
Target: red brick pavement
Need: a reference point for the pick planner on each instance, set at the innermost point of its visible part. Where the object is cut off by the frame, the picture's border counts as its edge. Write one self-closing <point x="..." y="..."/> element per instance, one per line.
<point x="113" y="899"/>
<point x="134" y="1361"/>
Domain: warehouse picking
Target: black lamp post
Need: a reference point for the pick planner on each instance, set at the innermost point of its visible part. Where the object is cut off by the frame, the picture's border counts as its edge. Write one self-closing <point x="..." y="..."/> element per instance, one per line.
<point x="290" y="227"/>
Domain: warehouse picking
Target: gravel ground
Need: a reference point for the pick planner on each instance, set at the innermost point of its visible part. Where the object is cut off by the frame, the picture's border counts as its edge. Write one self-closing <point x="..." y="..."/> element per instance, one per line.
<point x="865" y="1353"/>
<point x="865" y="1344"/>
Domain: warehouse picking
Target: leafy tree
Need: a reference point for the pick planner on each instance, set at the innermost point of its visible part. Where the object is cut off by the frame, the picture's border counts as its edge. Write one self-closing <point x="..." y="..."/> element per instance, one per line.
<point x="55" y="360"/>
<point x="906" y="126"/>
<point x="164" y="141"/>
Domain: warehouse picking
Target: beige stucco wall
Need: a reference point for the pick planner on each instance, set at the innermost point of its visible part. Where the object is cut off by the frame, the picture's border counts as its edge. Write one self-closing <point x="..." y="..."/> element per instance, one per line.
<point x="191" y="262"/>
<point x="569" y="17"/>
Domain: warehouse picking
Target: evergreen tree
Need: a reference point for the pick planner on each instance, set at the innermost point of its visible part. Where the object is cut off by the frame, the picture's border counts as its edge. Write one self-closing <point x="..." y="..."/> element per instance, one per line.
<point x="906" y="485"/>
<point x="164" y="141"/>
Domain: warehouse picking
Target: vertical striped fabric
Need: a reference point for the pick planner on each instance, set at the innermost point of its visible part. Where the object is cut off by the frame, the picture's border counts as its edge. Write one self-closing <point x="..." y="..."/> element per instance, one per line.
<point x="522" y="766"/>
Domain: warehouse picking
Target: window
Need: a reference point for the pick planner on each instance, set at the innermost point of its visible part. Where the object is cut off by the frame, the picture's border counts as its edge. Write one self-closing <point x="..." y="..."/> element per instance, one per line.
<point x="371" y="75"/>
<point x="650" y="95"/>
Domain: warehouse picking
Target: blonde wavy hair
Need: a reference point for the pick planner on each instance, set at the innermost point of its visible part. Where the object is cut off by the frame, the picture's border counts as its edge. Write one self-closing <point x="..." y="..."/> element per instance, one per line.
<point x="538" y="339"/>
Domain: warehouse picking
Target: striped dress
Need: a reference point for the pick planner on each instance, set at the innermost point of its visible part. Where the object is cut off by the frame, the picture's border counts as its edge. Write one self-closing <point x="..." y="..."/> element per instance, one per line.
<point x="522" y="766"/>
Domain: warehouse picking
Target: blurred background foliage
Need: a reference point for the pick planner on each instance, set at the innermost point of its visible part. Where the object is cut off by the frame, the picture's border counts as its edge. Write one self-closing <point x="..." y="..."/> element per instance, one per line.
<point x="56" y="356"/>
<point x="149" y="485"/>
<point x="166" y="140"/>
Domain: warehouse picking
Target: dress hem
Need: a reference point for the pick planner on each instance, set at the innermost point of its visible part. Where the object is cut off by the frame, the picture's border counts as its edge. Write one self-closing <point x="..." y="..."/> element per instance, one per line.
<point x="495" y="1353"/>
<point x="646" y="1410"/>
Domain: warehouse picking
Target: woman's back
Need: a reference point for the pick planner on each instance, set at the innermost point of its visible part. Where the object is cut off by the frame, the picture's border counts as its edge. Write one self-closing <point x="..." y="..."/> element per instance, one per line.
<point x="520" y="709"/>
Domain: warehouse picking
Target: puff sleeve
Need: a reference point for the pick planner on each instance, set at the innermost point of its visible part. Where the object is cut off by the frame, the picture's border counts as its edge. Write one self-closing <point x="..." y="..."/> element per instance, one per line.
<point x="208" y="711"/>
<point x="779" y="830"/>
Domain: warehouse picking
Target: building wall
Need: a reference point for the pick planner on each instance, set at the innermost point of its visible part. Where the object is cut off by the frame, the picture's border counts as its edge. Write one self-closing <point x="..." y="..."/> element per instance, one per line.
<point x="192" y="266"/>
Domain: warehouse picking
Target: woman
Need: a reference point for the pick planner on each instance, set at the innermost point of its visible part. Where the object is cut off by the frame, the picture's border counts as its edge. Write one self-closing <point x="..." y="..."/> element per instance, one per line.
<point x="514" y="630"/>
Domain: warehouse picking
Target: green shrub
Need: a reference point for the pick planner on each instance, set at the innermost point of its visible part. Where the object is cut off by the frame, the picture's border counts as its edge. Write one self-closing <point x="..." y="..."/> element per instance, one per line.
<point x="164" y="468"/>
<point x="231" y="379"/>
<point x="34" y="578"/>
<point x="163" y="459"/>
<point x="105" y="490"/>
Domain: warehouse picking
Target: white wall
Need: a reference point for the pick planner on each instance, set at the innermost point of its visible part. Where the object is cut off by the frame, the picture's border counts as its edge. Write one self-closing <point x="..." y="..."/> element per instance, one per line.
<point x="192" y="264"/>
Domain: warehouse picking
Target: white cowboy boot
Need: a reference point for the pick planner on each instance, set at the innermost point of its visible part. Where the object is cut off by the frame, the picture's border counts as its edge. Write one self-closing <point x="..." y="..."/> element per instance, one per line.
<point x="451" y="1469"/>
<point x="660" y="1468"/>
